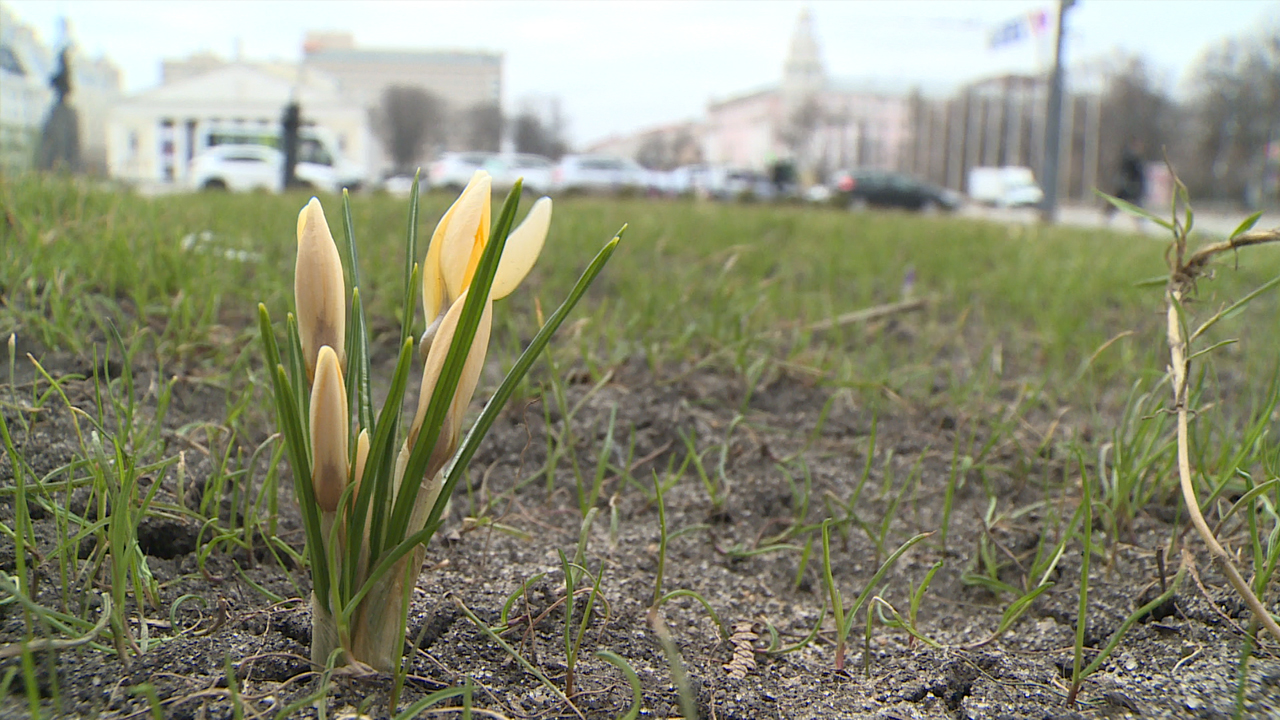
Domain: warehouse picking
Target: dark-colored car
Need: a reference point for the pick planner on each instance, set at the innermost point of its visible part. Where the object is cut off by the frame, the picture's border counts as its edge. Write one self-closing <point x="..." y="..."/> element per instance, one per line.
<point x="860" y="189"/>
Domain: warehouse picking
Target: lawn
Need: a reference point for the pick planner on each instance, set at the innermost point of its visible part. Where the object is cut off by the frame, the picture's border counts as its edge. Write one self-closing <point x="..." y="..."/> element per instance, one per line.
<point x="752" y="410"/>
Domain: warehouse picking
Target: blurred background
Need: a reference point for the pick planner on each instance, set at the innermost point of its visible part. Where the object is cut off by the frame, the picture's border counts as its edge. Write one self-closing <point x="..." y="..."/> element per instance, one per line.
<point x="757" y="100"/>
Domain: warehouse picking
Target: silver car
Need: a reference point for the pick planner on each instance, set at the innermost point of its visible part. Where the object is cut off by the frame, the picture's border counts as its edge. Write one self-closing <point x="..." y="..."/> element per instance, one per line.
<point x="453" y="170"/>
<point x="597" y="174"/>
<point x="535" y="169"/>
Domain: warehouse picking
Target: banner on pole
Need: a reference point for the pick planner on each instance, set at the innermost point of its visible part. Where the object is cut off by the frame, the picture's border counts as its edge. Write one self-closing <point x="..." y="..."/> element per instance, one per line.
<point x="1032" y="24"/>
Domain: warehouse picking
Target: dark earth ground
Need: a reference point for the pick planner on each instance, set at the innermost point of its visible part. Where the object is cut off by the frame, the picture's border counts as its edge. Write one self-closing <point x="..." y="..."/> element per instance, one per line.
<point x="1181" y="665"/>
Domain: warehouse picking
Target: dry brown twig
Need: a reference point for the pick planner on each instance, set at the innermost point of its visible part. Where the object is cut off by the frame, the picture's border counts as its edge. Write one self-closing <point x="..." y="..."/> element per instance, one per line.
<point x="1184" y="270"/>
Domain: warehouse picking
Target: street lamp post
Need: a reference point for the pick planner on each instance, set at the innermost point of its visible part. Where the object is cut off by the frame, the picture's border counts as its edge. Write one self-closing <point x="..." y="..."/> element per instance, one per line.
<point x="1053" y="129"/>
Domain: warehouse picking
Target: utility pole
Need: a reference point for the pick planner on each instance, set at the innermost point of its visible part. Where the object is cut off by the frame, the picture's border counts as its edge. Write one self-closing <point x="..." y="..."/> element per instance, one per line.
<point x="1053" y="130"/>
<point x="290" y="123"/>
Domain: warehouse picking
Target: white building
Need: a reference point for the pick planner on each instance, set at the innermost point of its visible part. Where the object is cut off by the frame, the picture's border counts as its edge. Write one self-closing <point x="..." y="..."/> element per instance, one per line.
<point x="154" y="134"/>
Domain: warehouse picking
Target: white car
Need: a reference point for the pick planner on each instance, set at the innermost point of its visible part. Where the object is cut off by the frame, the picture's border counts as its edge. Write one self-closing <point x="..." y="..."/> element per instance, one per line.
<point x="255" y="167"/>
<point x="535" y="169"/>
<point x="597" y="173"/>
<point x="453" y="170"/>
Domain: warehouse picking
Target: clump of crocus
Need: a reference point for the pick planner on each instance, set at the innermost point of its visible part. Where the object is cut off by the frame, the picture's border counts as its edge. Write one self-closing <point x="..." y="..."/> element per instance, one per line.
<point x="369" y="515"/>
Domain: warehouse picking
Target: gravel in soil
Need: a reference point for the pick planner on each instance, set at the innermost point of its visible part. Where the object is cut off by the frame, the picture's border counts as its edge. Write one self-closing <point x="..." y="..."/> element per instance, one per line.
<point x="220" y="610"/>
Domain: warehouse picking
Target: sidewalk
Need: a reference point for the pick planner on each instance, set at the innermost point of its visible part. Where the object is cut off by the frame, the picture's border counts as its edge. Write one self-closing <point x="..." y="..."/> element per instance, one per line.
<point x="1217" y="223"/>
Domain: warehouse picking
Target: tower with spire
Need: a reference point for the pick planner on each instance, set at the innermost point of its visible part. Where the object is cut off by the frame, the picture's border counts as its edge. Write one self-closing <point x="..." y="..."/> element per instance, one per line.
<point x="803" y="76"/>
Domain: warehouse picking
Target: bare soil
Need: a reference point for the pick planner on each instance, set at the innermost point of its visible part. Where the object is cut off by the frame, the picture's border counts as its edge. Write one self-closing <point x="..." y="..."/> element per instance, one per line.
<point x="1181" y="662"/>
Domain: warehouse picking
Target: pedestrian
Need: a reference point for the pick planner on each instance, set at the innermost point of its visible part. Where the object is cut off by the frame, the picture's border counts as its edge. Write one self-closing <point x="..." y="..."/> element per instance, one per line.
<point x="1131" y="179"/>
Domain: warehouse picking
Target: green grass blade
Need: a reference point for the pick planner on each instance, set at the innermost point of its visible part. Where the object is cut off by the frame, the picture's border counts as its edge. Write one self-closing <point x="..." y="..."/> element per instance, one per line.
<point x="637" y="690"/>
<point x="299" y="458"/>
<point x="1234" y="307"/>
<point x="1134" y="210"/>
<point x="298" y="382"/>
<point x="875" y="579"/>
<point x="1247" y="224"/>
<point x="380" y="465"/>
<point x="435" y="698"/>
<point x="359" y="387"/>
<point x="410" y="263"/>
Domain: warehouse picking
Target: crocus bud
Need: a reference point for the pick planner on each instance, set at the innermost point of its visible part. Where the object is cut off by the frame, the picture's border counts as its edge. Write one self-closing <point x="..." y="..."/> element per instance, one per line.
<point x="330" y="426"/>
<point x="319" y="289"/>
<point x="362" y="454"/>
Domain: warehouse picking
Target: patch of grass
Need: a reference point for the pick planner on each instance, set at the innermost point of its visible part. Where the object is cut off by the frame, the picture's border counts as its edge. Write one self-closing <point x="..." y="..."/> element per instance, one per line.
<point x="736" y="283"/>
<point x="1022" y="329"/>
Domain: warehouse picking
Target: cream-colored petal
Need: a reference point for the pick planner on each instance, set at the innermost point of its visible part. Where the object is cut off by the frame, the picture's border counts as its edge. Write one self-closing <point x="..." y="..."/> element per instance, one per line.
<point x="319" y="288"/>
<point x="471" y="370"/>
<point x="450" y="431"/>
<point x="433" y="289"/>
<point x="330" y="427"/>
<point x="522" y="249"/>
<point x="470" y="215"/>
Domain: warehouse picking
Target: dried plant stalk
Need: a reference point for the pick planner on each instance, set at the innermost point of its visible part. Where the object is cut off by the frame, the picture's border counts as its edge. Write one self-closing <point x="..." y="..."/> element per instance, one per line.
<point x="1182" y="277"/>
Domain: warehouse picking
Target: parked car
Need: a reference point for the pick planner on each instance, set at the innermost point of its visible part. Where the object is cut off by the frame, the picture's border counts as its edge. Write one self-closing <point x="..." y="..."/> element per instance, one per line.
<point x="535" y="169"/>
<point x="315" y="145"/>
<point x="861" y="189"/>
<point x="257" y="167"/>
<point x="742" y="184"/>
<point x="1008" y="186"/>
<point x="691" y="180"/>
<point x="453" y="170"/>
<point x="597" y="173"/>
<point x="399" y="184"/>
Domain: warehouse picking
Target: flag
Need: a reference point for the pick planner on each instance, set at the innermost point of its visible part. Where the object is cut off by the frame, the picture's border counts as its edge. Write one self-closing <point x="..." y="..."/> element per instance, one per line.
<point x="1008" y="33"/>
<point x="1034" y="23"/>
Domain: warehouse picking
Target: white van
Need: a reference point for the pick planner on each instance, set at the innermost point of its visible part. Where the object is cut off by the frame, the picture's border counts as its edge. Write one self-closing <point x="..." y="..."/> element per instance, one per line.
<point x="1008" y="186"/>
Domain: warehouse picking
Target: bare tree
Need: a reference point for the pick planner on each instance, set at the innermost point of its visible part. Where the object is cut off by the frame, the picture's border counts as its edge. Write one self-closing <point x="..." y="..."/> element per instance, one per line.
<point x="483" y="122"/>
<point x="407" y="120"/>
<point x="654" y="153"/>
<point x="1237" y="113"/>
<point x="532" y="135"/>
<point x="799" y="131"/>
<point x="1134" y="108"/>
<point x="686" y="149"/>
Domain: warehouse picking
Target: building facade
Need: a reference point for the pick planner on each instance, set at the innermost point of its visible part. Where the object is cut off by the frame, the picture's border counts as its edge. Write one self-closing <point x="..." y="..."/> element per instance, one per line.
<point x="463" y="79"/>
<point x="818" y="123"/>
<point x="154" y="135"/>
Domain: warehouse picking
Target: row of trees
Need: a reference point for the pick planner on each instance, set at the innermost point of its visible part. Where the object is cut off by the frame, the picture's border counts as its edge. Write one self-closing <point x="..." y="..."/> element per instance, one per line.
<point x="1217" y="135"/>
<point x="1235" y="116"/>
<point x="411" y="121"/>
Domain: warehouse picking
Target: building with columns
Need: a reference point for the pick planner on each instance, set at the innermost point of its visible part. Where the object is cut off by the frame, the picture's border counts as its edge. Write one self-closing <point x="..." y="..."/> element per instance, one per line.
<point x="153" y="135"/>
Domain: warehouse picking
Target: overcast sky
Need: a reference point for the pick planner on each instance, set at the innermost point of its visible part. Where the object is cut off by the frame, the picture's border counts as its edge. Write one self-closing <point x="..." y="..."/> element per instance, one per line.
<point x="620" y="66"/>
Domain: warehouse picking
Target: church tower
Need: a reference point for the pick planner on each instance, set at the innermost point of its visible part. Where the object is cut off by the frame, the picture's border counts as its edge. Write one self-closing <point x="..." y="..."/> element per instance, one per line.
<point x="803" y="76"/>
